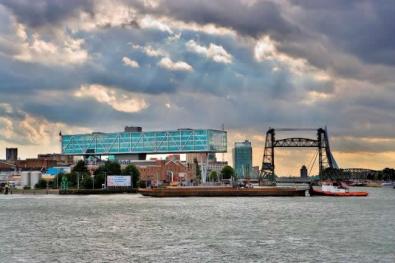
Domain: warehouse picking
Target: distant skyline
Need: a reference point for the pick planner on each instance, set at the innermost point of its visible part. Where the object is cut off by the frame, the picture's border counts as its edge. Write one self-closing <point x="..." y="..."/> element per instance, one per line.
<point x="82" y="66"/>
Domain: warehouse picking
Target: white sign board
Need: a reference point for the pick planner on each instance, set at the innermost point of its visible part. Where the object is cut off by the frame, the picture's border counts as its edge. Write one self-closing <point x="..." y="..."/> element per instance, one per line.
<point x="117" y="180"/>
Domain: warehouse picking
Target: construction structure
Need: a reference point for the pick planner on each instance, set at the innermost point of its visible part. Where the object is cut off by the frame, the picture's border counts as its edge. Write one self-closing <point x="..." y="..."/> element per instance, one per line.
<point x="321" y="143"/>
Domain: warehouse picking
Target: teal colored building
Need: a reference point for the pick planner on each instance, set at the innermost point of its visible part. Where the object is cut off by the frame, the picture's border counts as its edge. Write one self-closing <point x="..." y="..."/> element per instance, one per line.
<point x="242" y="159"/>
<point x="142" y="142"/>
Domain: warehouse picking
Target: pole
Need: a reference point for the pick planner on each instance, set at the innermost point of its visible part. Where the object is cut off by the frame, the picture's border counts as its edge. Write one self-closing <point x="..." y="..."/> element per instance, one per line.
<point x="78" y="180"/>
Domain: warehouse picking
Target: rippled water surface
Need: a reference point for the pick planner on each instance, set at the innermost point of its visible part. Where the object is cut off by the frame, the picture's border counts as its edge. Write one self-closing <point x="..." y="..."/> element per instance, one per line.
<point x="132" y="228"/>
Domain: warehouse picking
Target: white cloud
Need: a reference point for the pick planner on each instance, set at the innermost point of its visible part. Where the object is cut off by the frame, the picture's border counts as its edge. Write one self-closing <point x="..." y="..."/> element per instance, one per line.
<point x="266" y="50"/>
<point x="108" y="14"/>
<point x="129" y="62"/>
<point x="6" y="128"/>
<point x="151" y="3"/>
<point x="119" y="100"/>
<point x="31" y="130"/>
<point x="151" y="22"/>
<point x="167" y="63"/>
<point x="214" y="52"/>
<point x="6" y="107"/>
<point x="150" y="51"/>
<point x="64" y="50"/>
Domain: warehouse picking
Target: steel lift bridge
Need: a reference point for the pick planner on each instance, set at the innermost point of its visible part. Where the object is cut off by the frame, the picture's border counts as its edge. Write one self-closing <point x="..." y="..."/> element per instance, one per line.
<point x="325" y="157"/>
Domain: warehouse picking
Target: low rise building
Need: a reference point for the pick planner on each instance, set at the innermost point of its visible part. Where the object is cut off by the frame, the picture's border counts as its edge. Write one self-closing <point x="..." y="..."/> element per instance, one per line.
<point x="61" y="159"/>
<point x="155" y="172"/>
<point x="216" y="166"/>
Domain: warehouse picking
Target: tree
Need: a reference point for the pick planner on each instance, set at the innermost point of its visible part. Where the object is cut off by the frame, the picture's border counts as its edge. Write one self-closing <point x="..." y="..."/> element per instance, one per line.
<point x="332" y="173"/>
<point x="198" y="172"/>
<point x="86" y="182"/>
<point x="71" y="178"/>
<point x="213" y="177"/>
<point x="109" y="168"/>
<point x="80" y="167"/>
<point x="42" y="184"/>
<point x="78" y="172"/>
<point x="227" y="172"/>
<point x="389" y="174"/>
<point x="99" y="180"/>
<point x="56" y="180"/>
<point x="133" y="172"/>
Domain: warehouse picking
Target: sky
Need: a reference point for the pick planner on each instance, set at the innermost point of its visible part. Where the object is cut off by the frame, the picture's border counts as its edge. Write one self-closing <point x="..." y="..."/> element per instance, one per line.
<point x="82" y="66"/>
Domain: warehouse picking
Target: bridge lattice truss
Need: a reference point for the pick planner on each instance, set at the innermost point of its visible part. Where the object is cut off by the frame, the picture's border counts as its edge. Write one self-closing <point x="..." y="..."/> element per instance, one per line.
<point x="325" y="157"/>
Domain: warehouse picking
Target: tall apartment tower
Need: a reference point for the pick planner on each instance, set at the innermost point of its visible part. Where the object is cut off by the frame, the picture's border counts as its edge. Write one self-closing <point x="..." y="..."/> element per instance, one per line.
<point x="242" y="159"/>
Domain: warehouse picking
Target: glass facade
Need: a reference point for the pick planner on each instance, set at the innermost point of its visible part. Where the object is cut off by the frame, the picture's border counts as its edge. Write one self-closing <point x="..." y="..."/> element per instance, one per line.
<point x="242" y="159"/>
<point x="151" y="142"/>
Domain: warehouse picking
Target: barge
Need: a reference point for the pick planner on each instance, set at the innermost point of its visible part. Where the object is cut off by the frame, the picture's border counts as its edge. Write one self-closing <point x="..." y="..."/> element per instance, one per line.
<point x="221" y="191"/>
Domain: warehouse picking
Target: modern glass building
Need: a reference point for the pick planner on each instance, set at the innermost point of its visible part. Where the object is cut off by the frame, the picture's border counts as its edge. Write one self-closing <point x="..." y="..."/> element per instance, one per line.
<point x="151" y="142"/>
<point x="242" y="159"/>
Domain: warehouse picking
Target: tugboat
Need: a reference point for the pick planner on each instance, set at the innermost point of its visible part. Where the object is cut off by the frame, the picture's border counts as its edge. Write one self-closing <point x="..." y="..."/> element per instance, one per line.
<point x="331" y="189"/>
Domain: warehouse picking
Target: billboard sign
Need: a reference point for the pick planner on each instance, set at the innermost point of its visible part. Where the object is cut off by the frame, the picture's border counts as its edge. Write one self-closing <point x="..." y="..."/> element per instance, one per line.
<point x="118" y="180"/>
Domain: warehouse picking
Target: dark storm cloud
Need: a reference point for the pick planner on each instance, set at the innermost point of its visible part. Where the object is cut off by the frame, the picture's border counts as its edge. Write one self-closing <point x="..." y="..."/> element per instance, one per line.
<point x="45" y="12"/>
<point x="27" y="78"/>
<point x="253" y="20"/>
<point x="316" y="31"/>
<point x="363" y="28"/>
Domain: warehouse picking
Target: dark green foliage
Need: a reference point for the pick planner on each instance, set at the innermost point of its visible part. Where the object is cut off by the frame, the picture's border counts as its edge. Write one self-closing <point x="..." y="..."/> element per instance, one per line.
<point x="86" y="182"/>
<point x="332" y="173"/>
<point x="99" y="180"/>
<point x="134" y="172"/>
<point x="72" y="178"/>
<point x="109" y="168"/>
<point x="80" y="167"/>
<point x="198" y="173"/>
<point x="388" y="174"/>
<point x="42" y="184"/>
<point x="227" y="172"/>
<point x="213" y="177"/>
<point x="57" y="180"/>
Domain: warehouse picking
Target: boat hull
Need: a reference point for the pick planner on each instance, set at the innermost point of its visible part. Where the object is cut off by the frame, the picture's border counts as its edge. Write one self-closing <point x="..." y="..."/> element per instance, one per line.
<point x="221" y="192"/>
<point x="314" y="192"/>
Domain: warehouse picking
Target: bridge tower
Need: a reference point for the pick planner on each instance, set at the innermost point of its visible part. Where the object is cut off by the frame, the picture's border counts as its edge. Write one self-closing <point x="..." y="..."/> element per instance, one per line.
<point x="325" y="157"/>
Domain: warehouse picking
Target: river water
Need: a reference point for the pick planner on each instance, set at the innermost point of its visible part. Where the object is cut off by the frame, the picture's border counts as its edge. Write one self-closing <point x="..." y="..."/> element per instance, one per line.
<point x="132" y="228"/>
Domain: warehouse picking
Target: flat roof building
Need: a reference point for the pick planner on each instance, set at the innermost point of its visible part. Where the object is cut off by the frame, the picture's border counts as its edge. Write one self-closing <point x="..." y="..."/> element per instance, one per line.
<point x="143" y="142"/>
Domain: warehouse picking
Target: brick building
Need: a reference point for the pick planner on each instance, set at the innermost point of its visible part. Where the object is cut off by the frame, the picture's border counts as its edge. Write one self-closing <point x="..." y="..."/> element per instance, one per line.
<point x="165" y="172"/>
